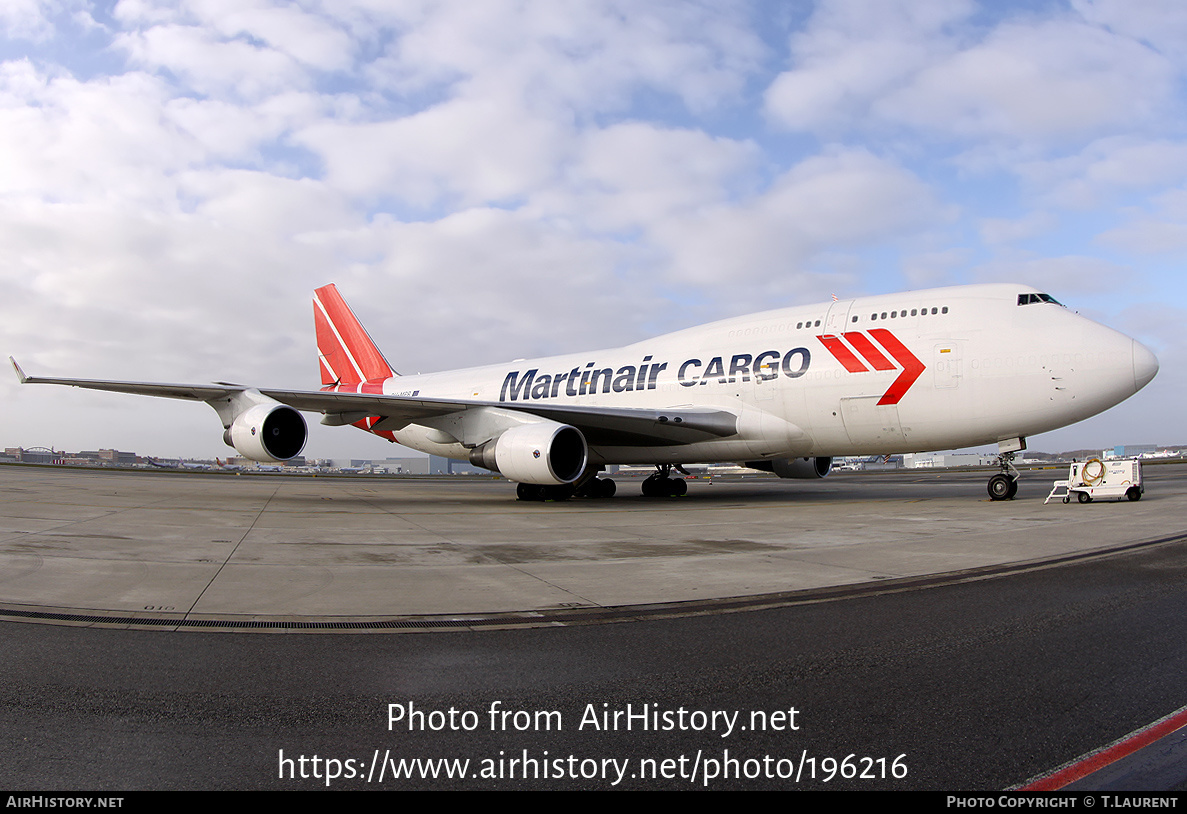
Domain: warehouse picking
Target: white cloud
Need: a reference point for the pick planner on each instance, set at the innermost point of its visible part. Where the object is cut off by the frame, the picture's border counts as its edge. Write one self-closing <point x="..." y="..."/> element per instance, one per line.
<point x="1162" y="23"/>
<point x="211" y="65"/>
<point x="65" y="139"/>
<point x="27" y="19"/>
<point x="623" y="177"/>
<point x="1160" y="231"/>
<point x="466" y="151"/>
<point x="934" y="268"/>
<point x="1043" y="82"/>
<point x="997" y="231"/>
<point x="927" y="68"/>
<point x="852" y="53"/>
<point x="578" y="56"/>
<point x="1105" y="169"/>
<point x="844" y="200"/>
<point x="305" y="37"/>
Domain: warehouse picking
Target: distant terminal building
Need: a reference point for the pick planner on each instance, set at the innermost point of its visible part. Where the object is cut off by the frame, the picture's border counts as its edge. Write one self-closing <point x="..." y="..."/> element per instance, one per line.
<point x="448" y="466"/>
<point x="939" y="460"/>
<point x="1129" y="451"/>
<point x="87" y="457"/>
<point x="867" y="463"/>
<point x="418" y="465"/>
<point x="35" y="455"/>
<point x="110" y="457"/>
<point x="400" y="466"/>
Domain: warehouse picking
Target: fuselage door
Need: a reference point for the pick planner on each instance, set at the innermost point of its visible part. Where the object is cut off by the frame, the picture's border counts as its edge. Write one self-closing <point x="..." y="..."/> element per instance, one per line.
<point x="872" y="427"/>
<point x="837" y="321"/>
<point x="948" y="366"/>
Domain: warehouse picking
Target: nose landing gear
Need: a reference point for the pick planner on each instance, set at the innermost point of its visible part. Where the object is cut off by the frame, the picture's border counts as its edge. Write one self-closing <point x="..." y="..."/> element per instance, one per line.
<point x="1004" y="485"/>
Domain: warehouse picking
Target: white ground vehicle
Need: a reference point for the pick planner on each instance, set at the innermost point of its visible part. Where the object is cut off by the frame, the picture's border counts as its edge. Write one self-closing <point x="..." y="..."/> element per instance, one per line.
<point x="1095" y="479"/>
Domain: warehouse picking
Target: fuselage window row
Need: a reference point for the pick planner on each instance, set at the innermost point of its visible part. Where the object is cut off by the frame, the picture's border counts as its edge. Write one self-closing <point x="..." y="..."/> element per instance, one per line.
<point x="921" y="312"/>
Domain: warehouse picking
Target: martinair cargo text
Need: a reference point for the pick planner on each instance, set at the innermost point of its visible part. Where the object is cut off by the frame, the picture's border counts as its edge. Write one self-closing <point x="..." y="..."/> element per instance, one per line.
<point x="784" y="391"/>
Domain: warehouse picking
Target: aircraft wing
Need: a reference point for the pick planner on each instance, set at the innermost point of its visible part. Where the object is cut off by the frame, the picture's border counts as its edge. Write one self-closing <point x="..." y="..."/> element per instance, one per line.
<point x="617" y="426"/>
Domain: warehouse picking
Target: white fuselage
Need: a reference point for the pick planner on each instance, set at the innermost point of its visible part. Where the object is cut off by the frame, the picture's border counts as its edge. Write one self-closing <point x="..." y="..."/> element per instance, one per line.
<point x="936" y="369"/>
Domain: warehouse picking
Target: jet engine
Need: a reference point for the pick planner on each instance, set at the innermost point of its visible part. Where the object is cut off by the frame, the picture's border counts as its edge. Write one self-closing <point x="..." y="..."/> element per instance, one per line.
<point x="542" y="452"/>
<point x="809" y="468"/>
<point x="267" y="432"/>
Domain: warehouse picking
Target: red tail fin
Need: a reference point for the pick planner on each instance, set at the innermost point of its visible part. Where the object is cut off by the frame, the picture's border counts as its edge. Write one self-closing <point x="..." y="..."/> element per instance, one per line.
<point x="345" y="352"/>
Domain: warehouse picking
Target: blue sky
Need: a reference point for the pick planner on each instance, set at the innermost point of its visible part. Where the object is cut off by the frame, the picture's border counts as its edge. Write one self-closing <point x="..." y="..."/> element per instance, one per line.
<point x="492" y="180"/>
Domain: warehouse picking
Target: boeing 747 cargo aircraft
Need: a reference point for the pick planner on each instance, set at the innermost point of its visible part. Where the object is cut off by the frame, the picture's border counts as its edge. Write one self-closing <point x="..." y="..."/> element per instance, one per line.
<point x="783" y="391"/>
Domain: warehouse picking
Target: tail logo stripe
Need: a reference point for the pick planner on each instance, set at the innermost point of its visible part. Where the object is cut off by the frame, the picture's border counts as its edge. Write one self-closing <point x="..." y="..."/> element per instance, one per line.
<point x="342" y="346"/>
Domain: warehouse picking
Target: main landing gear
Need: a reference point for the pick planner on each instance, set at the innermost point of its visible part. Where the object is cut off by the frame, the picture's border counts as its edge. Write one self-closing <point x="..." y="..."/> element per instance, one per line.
<point x="1004" y="485"/>
<point x="534" y="491"/>
<point x="661" y="485"/>
<point x="588" y="486"/>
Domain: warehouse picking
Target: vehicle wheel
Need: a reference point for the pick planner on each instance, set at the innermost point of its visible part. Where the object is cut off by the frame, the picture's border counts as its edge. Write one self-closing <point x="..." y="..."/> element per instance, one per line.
<point x="1067" y="498"/>
<point x="1083" y="497"/>
<point x="1133" y="493"/>
<point x="999" y="487"/>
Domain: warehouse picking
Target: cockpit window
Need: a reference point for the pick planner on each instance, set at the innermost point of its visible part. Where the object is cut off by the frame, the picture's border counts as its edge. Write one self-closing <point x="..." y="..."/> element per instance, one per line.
<point x="1027" y="299"/>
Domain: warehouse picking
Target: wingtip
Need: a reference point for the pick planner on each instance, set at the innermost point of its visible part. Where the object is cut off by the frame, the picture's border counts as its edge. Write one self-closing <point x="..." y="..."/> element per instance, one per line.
<point x="20" y="374"/>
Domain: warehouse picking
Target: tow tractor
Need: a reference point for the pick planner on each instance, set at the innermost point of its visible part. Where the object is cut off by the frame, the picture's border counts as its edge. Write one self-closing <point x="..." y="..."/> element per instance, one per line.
<point x="1095" y="479"/>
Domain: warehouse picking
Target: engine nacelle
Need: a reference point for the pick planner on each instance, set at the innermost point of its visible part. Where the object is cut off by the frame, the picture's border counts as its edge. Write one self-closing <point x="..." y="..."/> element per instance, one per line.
<point x="809" y="468"/>
<point x="268" y="432"/>
<point x="543" y="452"/>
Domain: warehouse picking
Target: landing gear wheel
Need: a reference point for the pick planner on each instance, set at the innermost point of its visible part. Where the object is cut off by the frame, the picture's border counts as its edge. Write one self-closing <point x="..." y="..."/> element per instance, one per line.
<point x="653" y="486"/>
<point x="1133" y="493"/>
<point x="558" y="493"/>
<point x="605" y="487"/>
<point x="660" y="485"/>
<point x="529" y="491"/>
<point x="1002" y="487"/>
<point x="1083" y="497"/>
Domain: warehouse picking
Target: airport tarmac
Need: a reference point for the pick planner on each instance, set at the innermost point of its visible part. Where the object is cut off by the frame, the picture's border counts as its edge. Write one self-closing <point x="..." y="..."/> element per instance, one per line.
<point x="272" y="553"/>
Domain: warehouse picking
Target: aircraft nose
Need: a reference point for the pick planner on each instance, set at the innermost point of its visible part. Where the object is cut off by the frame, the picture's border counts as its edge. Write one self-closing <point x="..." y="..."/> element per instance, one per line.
<point x="1145" y="365"/>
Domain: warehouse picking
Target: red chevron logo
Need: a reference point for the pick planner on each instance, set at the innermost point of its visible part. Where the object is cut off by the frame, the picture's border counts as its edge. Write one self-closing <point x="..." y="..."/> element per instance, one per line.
<point x="876" y="359"/>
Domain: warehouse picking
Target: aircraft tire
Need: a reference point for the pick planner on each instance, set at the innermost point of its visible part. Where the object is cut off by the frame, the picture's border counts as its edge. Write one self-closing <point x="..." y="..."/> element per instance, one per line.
<point x="529" y="491"/>
<point x="999" y="487"/>
<point x="1013" y="488"/>
<point x="606" y="487"/>
<point x="677" y="487"/>
<point x="558" y="493"/>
